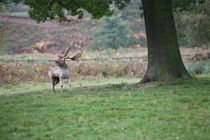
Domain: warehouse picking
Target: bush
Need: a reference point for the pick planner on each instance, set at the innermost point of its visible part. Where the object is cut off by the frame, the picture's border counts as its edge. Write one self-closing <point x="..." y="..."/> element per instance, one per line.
<point x="193" y="26"/>
<point x="199" y="67"/>
<point x="31" y="72"/>
<point x="113" y="33"/>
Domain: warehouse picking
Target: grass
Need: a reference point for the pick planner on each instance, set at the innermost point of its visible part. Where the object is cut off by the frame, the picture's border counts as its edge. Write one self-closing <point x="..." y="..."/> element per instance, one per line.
<point x="177" y="110"/>
<point x="89" y="82"/>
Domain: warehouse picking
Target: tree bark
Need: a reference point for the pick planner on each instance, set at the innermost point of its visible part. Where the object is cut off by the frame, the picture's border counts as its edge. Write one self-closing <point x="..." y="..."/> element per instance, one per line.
<point x="164" y="58"/>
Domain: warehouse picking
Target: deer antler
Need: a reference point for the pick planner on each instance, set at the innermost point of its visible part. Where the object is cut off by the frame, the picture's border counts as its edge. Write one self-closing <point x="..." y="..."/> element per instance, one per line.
<point x="78" y="55"/>
<point x="65" y="54"/>
<point x="75" y="57"/>
<point x="67" y="51"/>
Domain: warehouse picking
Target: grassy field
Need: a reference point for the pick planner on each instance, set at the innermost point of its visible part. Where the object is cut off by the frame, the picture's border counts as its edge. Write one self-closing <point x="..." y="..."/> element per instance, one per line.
<point x="90" y="82"/>
<point x="114" y="109"/>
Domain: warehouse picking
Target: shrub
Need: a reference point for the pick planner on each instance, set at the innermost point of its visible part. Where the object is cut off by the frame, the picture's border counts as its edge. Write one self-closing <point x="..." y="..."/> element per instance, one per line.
<point x="199" y="67"/>
<point x="113" y="33"/>
<point x="27" y="72"/>
<point x="193" y="25"/>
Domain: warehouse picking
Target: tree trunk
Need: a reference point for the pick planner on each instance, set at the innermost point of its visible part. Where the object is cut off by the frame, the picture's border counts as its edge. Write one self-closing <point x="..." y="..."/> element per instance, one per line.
<point x="164" y="58"/>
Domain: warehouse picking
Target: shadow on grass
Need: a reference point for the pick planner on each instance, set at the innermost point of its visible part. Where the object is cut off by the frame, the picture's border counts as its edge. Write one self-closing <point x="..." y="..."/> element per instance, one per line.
<point x="81" y="90"/>
<point x="180" y="83"/>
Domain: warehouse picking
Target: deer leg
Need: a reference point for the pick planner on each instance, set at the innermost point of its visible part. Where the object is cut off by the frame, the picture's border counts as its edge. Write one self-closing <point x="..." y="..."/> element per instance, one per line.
<point x="69" y="80"/>
<point x="53" y="85"/>
<point x="55" y="82"/>
<point x="61" y="80"/>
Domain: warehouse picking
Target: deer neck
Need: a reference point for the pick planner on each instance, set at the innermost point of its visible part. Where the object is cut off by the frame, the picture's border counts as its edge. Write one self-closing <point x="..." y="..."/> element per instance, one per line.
<point x="63" y="66"/>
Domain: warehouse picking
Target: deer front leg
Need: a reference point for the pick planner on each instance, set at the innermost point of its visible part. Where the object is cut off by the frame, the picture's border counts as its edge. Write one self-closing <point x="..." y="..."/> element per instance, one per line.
<point x="61" y="80"/>
<point x="53" y="86"/>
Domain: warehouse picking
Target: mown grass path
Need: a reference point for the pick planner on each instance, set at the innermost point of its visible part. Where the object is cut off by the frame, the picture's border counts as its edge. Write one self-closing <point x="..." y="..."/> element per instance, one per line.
<point x="177" y="110"/>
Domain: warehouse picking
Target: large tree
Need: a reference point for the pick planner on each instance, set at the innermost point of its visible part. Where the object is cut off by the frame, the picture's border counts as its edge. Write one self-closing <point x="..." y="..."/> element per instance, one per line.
<point x="164" y="59"/>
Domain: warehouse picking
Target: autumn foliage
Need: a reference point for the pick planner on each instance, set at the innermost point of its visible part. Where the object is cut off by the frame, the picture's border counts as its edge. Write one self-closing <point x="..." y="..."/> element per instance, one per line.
<point x="12" y="73"/>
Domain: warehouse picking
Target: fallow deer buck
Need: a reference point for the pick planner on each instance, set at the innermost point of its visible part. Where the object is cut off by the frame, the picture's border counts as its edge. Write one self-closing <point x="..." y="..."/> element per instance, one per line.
<point x="61" y="71"/>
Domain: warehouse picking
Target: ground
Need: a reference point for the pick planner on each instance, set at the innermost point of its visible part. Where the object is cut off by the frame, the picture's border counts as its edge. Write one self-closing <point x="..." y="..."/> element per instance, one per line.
<point x="115" y="109"/>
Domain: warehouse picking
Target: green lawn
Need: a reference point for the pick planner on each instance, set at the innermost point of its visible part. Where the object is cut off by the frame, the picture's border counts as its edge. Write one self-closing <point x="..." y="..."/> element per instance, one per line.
<point x="177" y="110"/>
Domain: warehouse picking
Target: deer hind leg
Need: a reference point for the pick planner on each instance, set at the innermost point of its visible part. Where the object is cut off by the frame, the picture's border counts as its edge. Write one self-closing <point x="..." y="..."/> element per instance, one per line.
<point x="61" y="80"/>
<point x="55" y="81"/>
<point x="53" y="85"/>
<point x="69" y="80"/>
<point x="53" y="88"/>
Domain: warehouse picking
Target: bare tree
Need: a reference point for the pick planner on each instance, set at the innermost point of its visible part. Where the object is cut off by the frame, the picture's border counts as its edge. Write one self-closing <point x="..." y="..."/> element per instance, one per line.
<point x="61" y="71"/>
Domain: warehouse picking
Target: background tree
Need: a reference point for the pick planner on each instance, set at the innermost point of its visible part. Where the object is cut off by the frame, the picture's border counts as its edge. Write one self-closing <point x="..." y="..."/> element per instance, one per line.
<point x="113" y="33"/>
<point x="164" y="59"/>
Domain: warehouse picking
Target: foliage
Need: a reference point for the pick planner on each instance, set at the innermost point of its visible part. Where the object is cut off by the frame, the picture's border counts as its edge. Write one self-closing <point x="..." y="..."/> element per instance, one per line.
<point x="3" y="30"/>
<point x="42" y="10"/>
<point x="183" y="5"/>
<point x="113" y="33"/>
<point x="202" y="67"/>
<point x="1" y="7"/>
<point x="22" y="72"/>
<point x="193" y="26"/>
<point x="131" y="11"/>
<point x="4" y="49"/>
<point x="175" y="110"/>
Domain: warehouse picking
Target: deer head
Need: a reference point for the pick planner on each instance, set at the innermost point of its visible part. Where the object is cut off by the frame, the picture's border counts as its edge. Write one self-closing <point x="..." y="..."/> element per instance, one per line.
<point x="61" y="58"/>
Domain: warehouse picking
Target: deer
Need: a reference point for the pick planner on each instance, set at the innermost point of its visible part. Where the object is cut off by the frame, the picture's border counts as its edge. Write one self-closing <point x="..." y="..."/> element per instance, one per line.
<point x="61" y="71"/>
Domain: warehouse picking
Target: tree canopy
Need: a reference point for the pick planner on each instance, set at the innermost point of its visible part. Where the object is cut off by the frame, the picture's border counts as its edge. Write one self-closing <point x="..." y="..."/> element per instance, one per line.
<point x="42" y="10"/>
